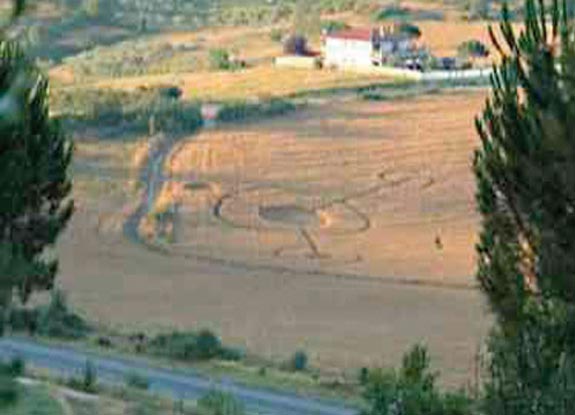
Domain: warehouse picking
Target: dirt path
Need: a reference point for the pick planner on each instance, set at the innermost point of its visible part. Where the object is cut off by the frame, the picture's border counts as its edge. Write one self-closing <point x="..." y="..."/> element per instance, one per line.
<point x="152" y="177"/>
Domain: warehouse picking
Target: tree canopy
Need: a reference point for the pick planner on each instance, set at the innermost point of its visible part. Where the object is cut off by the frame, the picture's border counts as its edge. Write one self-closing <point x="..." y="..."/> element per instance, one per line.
<point x="525" y="169"/>
<point x="34" y="184"/>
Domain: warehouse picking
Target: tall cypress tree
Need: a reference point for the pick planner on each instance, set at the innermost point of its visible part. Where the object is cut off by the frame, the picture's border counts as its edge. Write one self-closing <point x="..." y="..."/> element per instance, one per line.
<point x="34" y="183"/>
<point x="525" y="171"/>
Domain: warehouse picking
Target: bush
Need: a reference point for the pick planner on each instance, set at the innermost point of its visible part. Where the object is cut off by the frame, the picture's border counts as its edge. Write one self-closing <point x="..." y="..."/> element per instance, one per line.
<point x="219" y="403"/>
<point x="233" y="354"/>
<point x="410" y="29"/>
<point x="137" y="381"/>
<point x="14" y="368"/>
<point x="276" y="35"/>
<point x="411" y="390"/>
<point x="208" y="345"/>
<point x="9" y="391"/>
<point x="472" y="49"/>
<point x="59" y="321"/>
<point x="88" y="382"/>
<point x="363" y="376"/>
<point x="403" y="13"/>
<point x="127" y="110"/>
<point x="532" y="372"/>
<point x="241" y="111"/>
<point x="332" y="26"/>
<point x="299" y="361"/>
<point x="191" y="346"/>
<point x="23" y="320"/>
<point x="220" y="60"/>
<point x="296" y="45"/>
<point x="391" y="12"/>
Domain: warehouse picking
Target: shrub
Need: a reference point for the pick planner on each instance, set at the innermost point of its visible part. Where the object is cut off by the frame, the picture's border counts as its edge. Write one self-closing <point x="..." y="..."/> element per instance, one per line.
<point x="391" y="12"/>
<point x="170" y="92"/>
<point x="55" y="319"/>
<point x="127" y="110"/>
<point x="9" y="391"/>
<point x="219" y="403"/>
<point x="410" y="29"/>
<point x="472" y="49"/>
<point x="242" y="111"/>
<point x="332" y="26"/>
<point x="16" y="367"/>
<point x="395" y="12"/>
<point x="88" y="381"/>
<point x="363" y="376"/>
<point x="105" y="342"/>
<point x="220" y="60"/>
<point x="296" y="45"/>
<point x="233" y="354"/>
<point x="22" y="319"/>
<point x="59" y="321"/>
<point x="137" y="381"/>
<point x="208" y="345"/>
<point x="203" y="345"/>
<point x="299" y="361"/>
<point x="276" y="35"/>
<point x="411" y="390"/>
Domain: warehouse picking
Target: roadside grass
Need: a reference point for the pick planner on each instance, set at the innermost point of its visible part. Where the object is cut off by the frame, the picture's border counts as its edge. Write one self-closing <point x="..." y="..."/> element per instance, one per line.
<point x="253" y="371"/>
<point x="35" y="400"/>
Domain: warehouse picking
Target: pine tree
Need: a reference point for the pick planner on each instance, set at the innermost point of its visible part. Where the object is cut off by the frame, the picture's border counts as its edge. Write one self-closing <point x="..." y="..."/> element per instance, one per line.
<point x="525" y="171"/>
<point x="34" y="183"/>
<point x="525" y="167"/>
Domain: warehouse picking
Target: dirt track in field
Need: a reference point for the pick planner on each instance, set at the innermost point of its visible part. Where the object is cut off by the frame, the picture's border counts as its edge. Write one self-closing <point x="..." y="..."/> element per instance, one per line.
<point x="373" y="189"/>
<point x="381" y="190"/>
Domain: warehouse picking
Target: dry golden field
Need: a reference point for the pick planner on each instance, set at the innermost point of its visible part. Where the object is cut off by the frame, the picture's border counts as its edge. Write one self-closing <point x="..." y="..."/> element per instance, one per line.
<point x="262" y="81"/>
<point x="299" y="233"/>
<point x="362" y="188"/>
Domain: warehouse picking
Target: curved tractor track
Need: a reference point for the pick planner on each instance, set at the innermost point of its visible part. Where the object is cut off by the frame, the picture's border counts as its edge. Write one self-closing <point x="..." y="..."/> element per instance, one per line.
<point x="152" y="177"/>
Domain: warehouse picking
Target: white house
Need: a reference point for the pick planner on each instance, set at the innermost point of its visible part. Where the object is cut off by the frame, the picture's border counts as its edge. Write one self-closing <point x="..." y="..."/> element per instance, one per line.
<point x="348" y="48"/>
<point x="365" y="47"/>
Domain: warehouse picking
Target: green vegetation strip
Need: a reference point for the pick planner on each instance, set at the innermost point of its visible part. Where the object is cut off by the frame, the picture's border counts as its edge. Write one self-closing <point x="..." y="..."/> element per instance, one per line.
<point x="35" y="400"/>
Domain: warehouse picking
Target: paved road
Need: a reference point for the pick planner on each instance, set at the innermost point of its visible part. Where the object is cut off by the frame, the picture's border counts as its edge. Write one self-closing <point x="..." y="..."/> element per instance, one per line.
<point x="179" y="384"/>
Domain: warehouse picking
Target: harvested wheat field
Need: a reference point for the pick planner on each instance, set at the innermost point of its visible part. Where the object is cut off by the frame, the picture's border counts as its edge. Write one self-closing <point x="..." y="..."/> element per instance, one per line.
<point x="357" y="188"/>
<point x="263" y="81"/>
<point x="299" y="233"/>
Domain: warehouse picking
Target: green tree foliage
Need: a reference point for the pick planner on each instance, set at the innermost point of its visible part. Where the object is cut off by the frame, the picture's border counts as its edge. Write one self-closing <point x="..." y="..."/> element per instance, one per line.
<point x="299" y="361"/>
<point x="410" y="29"/>
<point x="34" y="159"/>
<point x="472" y="49"/>
<point x="89" y="377"/>
<point x="137" y="381"/>
<point x="192" y="346"/>
<point x="333" y="26"/>
<point x="219" y="403"/>
<point x="221" y="60"/>
<point x="411" y="390"/>
<point x="57" y="320"/>
<point x="525" y="173"/>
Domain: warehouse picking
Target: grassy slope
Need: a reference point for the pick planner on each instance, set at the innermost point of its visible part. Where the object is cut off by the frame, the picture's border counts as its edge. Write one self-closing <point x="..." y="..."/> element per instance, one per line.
<point x="35" y="400"/>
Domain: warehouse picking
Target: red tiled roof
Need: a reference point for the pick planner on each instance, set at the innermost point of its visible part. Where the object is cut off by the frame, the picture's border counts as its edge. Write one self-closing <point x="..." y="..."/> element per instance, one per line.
<point x="352" y="34"/>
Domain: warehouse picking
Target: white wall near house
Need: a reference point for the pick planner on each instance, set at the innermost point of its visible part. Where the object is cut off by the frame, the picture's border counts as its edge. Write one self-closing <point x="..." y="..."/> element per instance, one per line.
<point x="347" y="52"/>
